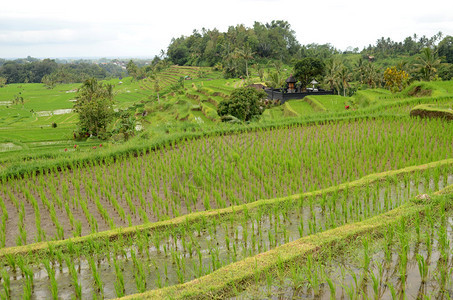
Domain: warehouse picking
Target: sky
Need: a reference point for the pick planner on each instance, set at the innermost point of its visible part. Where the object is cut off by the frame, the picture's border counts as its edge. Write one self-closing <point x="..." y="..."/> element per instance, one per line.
<point x="135" y="28"/>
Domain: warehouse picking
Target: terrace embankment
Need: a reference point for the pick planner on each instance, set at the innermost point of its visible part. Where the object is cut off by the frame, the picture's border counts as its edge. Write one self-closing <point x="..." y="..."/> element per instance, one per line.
<point x="432" y="111"/>
<point x="190" y="247"/>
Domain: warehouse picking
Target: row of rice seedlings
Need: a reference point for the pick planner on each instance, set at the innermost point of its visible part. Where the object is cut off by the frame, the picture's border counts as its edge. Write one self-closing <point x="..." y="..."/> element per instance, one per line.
<point x="216" y="172"/>
<point x="408" y="261"/>
<point x="192" y="250"/>
<point x="359" y="213"/>
<point x="3" y="223"/>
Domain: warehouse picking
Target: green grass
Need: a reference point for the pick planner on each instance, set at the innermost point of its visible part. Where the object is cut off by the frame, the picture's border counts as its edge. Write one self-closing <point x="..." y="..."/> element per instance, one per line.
<point x="332" y="102"/>
<point x="301" y="107"/>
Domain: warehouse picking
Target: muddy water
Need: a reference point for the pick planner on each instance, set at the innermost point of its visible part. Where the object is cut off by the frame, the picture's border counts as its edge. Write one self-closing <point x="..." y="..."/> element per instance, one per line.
<point x="177" y="256"/>
<point x="382" y="281"/>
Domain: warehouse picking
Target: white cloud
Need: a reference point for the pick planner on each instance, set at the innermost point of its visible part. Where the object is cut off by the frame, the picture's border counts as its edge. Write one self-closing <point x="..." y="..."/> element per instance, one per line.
<point x="117" y="28"/>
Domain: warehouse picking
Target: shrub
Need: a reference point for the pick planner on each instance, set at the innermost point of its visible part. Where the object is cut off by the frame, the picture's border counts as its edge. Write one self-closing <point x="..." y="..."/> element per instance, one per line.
<point x="244" y="103"/>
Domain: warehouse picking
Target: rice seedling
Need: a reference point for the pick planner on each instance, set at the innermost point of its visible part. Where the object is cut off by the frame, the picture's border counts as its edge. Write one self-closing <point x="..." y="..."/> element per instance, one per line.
<point x="53" y="281"/>
<point x="6" y="283"/>
<point x="98" y="284"/>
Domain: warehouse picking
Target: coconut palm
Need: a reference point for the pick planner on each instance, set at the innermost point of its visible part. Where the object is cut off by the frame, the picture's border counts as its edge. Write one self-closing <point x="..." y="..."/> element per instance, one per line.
<point x="428" y="62"/>
<point x="360" y="69"/>
<point x="260" y="70"/>
<point x="275" y="80"/>
<point x="331" y="77"/>
<point x="246" y="55"/>
<point x="278" y="65"/>
<point x="371" y="75"/>
<point x="345" y="76"/>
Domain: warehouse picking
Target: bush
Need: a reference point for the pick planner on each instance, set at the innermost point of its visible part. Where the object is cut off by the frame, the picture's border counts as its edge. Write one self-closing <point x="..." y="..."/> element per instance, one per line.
<point x="244" y="103"/>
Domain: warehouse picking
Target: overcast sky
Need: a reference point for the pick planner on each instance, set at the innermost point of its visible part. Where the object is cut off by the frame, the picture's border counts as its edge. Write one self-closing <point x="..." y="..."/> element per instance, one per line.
<point x="133" y="28"/>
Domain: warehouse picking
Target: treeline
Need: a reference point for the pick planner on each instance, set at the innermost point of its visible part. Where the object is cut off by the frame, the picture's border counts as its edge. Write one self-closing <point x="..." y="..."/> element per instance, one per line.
<point x="50" y="72"/>
<point x="236" y="49"/>
<point x="229" y="50"/>
<point x="411" y="45"/>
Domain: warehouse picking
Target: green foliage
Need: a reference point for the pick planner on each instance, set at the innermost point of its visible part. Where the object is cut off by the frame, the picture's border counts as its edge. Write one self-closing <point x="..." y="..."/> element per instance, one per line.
<point x="49" y="80"/>
<point x="307" y="69"/>
<point x="427" y="64"/>
<point x="244" y="103"/>
<point x="275" y="80"/>
<point x="95" y="107"/>
<point x="274" y="40"/>
<point x="125" y="125"/>
<point x="34" y="71"/>
<point x="2" y="81"/>
<point x="135" y="71"/>
<point x="446" y="71"/>
<point x="445" y="49"/>
<point x="410" y="46"/>
<point x="395" y="79"/>
<point x="17" y="72"/>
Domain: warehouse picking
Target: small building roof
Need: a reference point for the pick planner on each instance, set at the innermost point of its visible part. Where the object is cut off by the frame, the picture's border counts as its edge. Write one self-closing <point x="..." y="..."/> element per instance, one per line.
<point x="257" y="86"/>
<point x="291" y="79"/>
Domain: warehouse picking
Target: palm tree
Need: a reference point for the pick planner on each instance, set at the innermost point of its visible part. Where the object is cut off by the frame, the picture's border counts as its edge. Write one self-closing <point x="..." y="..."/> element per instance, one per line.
<point x="260" y="70"/>
<point x="278" y="66"/>
<point x="275" y="80"/>
<point x="371" y="75"/>
<point x="246" y="54"/>
<point x="157" y="87"/>
<point x="428" y="62"/>
<point x="360" y="67"/>
<point x="332" y="68"/>
<point x="344" y="77"/>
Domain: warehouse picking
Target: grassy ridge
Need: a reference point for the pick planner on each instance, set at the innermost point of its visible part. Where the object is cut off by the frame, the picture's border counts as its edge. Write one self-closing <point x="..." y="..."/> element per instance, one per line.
<point x="432" y="111"/>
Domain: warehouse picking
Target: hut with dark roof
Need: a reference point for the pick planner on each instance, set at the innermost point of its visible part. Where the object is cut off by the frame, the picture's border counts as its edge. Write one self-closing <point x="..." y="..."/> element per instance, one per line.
<point x="291" y="83"/>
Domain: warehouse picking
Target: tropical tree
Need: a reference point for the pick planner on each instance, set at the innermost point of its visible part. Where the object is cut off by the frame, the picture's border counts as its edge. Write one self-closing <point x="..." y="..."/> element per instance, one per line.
<point x="371" y="75"/>
<point x="307" y="69"/>
<point x="359" y="70"/>
<point x="132" y="68"/>
<point x="331" y="75"/>
<point x="427" y="64"/>
<point x="244" y="103"/>
<point x="95" y="107"/>
<point x="125" y="124"/>
<point x="395" y="79"/>
<point x="344" y="76"/>
<point x="246" y="54"/>
<point x="260" y="70"/>
<point x="278" y="65"/>
<point x="445" y="49"/>
<point x="49" y="80"/>
<point x="3" y="81"/>
<point x="232" y="65"/>
<point x="275" y="80"/>
<point x="134" y="71"/>
<point x="19" y="99"/>
<point x="157" y="87"/>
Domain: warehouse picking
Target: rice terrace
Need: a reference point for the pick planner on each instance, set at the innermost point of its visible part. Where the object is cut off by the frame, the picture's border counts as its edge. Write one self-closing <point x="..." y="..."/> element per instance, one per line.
<point x="179" y="177"/>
